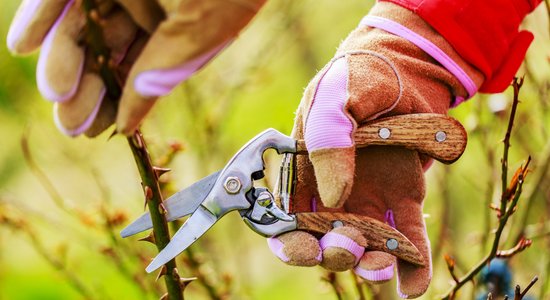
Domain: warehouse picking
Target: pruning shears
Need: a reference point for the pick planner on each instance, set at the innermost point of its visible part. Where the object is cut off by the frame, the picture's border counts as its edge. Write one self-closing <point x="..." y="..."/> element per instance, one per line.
<point x="232" y="188"/>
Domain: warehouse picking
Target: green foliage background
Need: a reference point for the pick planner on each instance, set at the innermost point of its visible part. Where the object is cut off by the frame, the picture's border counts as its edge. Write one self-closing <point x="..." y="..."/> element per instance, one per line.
<point x="255" y="84"/>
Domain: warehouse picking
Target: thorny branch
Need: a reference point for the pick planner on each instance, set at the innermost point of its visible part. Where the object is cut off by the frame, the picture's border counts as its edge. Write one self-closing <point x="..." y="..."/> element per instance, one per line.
<point x="511" y="192"/>
<point x="140" y="152"/>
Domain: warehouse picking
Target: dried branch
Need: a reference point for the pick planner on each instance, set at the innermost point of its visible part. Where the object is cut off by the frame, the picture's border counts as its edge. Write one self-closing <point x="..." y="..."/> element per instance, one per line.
<point x="40" y="175"/>
<point x="511" y="193"/>
<point x="519" y="294"/>
<point x="53" y="260"/>
<point x="332" y="280"/>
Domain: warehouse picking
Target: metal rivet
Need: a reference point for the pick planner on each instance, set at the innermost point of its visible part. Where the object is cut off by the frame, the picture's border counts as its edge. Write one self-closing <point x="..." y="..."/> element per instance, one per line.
<point x="337" y="224"/>
<point x="384" y="133"/>
<point x="440" y="136"/>
<point x="392" y="244"/>
<point x="232" y="185"/>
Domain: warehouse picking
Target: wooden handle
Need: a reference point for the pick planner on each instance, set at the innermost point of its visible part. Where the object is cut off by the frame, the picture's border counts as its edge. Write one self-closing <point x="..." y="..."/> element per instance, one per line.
<point x="379" y="236"/>
<point x="436" y="135"/>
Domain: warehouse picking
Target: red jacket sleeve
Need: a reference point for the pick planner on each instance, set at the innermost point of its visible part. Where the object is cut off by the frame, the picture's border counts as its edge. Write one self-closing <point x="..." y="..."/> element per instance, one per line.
<point x="485" y="33"/>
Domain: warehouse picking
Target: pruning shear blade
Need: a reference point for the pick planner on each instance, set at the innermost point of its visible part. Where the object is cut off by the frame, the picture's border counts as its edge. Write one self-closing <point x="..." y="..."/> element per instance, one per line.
<point x="179" y="205"/>
<point x="199" y="222"/>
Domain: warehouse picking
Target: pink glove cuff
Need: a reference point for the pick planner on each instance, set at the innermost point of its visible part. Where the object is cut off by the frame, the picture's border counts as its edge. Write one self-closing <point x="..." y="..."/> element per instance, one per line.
<point x="276" y="246"/>
<point x="333" y="239"/>
<point x="85" y="125"/>
<point x="375" y="275"/>
<point x="428" y="47"/>
<point x="160" y="82"/>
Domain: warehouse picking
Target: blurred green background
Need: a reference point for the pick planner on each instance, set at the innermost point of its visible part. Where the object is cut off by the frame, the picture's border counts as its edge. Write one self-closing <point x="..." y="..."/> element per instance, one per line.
<point x="60" y="213"/>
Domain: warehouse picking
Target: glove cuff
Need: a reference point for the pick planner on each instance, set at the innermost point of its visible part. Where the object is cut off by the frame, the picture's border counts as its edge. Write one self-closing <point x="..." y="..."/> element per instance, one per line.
<point x="406" y="24"/>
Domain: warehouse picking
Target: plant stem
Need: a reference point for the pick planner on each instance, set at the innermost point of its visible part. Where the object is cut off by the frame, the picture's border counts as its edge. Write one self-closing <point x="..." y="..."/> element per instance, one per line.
<point x="507" y="207"/>
<point x="156" y="209"/>
<point x="149" y="178"/>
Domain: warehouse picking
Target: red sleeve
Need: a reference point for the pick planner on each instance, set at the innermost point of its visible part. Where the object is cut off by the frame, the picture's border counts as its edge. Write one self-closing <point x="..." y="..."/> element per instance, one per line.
<point x="485" y="33"/>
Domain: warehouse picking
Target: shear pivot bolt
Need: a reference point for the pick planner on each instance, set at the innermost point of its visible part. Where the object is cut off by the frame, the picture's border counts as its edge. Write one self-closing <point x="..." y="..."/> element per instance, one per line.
<point x="384" y="133"/>
<point x="392" y="244"/>
<point x="232" y="185"/>
<point x="440" y="136"/>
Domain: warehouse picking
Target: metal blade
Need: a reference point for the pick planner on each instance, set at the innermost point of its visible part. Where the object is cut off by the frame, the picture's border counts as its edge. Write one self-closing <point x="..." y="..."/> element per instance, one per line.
<point x="199" y="222"/>
<point x="179" y="205"/>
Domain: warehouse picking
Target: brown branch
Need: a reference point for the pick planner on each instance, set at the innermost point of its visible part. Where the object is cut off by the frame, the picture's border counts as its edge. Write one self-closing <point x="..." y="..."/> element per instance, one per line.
<point x="40" y="175"/>
<point x="521" y="294"/>
<point x="511" y="193"/>
<point x="332" y="280"/>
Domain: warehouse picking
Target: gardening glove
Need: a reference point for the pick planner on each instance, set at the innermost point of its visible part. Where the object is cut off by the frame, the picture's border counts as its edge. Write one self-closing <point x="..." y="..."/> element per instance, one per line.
<point x="154" y="46"/>
<point x="374" y="74"/>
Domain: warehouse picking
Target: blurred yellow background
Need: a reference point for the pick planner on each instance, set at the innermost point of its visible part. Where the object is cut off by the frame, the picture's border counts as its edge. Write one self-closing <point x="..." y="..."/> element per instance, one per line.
<point x="56" y="243"/>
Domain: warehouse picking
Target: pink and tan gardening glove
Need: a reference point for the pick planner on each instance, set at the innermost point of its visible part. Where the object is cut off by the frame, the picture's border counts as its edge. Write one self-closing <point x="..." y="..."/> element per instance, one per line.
<point x="155" y="45"/>
<point x="374" y="74"/>
<point x="394" y="63"/>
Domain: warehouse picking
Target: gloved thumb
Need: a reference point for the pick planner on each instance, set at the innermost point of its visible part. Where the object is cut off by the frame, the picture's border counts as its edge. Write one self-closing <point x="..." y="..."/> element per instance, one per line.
<point x="328" y="134"/>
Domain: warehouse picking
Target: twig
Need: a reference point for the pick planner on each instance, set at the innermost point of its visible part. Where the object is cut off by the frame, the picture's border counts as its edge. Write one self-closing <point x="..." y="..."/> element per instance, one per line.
<point x="359" y="283"/>
<point x="194" y="264"/>
<point x="332" y="279"/>
<point x="95" y="41"/>
<point x="53" y="260"/>
<point x="40" y="175"/>
<point x="522" y="294"/>
<point x="509" y="198"/>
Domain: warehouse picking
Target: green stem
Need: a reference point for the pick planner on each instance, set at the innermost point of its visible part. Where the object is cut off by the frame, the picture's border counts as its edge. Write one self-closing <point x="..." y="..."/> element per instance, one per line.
<point x="154" y="203"/>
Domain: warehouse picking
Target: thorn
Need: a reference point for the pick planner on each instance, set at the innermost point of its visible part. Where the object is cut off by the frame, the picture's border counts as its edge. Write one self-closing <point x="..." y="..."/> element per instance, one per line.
<point x="162" y="209"/>
<point x="115" y="132"/>
<point x="161" y="273"/>
<point x="149" y="238"/>
<point x="164" y="297"/>
<point x="137" y="140"/>
<point x="184" y="282"/>
<point x="101" y="59"/>
<point x="94" y="15"/>
<point x="175" y="273"/>
<point x="148" y="193"/>
<point x="159" y="171"/>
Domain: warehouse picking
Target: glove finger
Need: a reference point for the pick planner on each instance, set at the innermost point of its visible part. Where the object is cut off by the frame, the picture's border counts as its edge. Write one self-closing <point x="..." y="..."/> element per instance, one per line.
<point x="31" y="24"/>
<point x="375" y="266"/>
<point x="400" y="180"/>
<point x="297" y="248"/>
<point x="146" y="13"/>
<point x="413" y="281"/>
<point x="119" y="32"/>
<point x="61" y="59"/>
<point x="342" y="248"/>
<point x="183" y="43"/>
<point x="328" y="134"/>
<point x="105" y="118"/>
<point x="77" y="115"/>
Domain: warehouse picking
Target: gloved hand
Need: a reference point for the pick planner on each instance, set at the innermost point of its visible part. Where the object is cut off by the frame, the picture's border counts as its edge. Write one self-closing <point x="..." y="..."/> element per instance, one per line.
<point x="156" y="45"/>
<point x="373" y="74"/>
